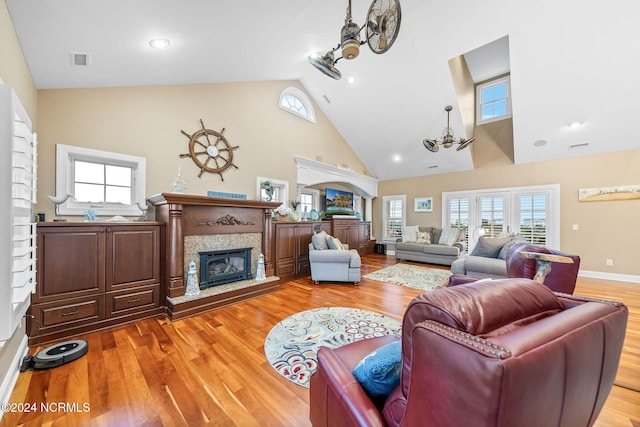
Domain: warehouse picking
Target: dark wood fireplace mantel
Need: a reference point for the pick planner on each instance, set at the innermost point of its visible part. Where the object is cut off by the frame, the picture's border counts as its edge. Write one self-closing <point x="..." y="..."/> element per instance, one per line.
<point x="191" y="215"/>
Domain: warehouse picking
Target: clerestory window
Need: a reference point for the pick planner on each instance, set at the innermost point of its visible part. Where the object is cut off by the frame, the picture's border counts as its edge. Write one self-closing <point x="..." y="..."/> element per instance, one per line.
<point x="493" y="100"/>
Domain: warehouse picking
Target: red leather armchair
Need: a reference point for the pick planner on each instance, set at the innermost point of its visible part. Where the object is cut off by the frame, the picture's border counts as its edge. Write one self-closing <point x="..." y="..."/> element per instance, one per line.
<point x="483" y="355"/>
<point x="561" y="278"/>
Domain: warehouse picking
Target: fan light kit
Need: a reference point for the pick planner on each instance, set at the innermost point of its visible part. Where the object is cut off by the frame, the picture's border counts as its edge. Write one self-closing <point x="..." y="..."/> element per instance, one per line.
<point x="383" y="24"/>
<point x="447" y="138"/>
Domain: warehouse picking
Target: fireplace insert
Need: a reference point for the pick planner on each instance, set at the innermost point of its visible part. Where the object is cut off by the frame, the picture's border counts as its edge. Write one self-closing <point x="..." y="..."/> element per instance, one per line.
<point x="224" y="266"/>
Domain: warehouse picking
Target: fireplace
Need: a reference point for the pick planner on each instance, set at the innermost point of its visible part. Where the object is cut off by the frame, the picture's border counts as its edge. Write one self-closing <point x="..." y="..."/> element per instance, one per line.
<point x="224" y="266"/>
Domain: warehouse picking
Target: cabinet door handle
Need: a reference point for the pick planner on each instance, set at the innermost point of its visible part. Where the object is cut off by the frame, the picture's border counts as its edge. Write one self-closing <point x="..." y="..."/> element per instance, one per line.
<point x="131" y="301"/>
<point x="71" y="313"/>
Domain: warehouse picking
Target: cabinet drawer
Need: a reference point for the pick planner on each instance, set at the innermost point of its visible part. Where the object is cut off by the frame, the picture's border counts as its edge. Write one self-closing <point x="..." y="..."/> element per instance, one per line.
<point x="304" y="267"/>
<point x="141" y="298"/>
<point x="69" y="313"/>
<point x="285" y="269"/>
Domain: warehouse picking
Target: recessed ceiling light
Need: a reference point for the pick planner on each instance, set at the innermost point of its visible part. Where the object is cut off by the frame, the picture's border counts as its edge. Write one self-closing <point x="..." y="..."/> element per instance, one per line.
<point x="351" y="79"/>
<point x="397" y="158"/>
<point x="540" y="143"/>
<point x="575" y="125"/>
<point x="159" y="43"/>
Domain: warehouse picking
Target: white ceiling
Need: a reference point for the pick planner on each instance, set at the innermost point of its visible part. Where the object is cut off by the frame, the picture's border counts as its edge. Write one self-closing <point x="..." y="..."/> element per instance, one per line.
<point x="570" y="61"/>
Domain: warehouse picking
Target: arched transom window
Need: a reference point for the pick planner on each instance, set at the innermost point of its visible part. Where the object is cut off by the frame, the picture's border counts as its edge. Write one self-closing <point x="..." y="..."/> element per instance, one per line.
<point x="296" y="102"/>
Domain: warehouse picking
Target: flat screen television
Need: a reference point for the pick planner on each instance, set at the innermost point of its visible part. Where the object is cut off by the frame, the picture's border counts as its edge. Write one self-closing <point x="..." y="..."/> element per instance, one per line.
<point x="339" y="202"/>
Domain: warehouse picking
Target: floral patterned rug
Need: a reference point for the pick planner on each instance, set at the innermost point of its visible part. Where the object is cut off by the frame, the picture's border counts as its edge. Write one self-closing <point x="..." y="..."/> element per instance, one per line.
<point x="412" y="276"/>
<point x="292" y="344"/>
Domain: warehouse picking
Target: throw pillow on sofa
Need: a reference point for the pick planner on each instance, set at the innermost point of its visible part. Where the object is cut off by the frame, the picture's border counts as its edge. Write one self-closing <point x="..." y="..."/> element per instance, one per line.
<point x="410" y="234"/>
<point x="334" y="243"/>
<point x="449" y="236"/>
<point x="489" y="247"/>
<point x="516" y="238"/>
<point x="379" y="371"/>
<point x="319" y="241"/>
<point x="424" y="237"/>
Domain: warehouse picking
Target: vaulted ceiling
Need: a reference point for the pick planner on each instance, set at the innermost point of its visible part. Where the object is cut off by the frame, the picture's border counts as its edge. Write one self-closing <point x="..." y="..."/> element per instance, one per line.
<point x="570" y="61"/>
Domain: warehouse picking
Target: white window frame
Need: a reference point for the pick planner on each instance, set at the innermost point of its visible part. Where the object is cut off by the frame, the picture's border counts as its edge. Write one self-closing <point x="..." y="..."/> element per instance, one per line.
<point x="479" y="102"/>
<point x="315" y="197"/>
<point x="304" y="100"/>
<point x="512" y="218"/>
<point x="385" y="200"/>
<point x="275" y="183"/>
<point x="65" y="157"/>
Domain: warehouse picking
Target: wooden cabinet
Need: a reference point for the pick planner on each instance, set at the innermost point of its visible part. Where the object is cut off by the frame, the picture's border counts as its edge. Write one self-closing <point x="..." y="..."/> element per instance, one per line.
<point x="96" y="275"/>
<point x="347" y="231"/>
<point x="355" y="233"/>
<point x="291" y="242"/>
<point x="291" y="248"/>
<point x="366" y="244"/>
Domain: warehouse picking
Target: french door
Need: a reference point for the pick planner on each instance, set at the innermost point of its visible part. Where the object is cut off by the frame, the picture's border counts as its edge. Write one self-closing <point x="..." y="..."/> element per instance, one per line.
<point x="532" y="212"/>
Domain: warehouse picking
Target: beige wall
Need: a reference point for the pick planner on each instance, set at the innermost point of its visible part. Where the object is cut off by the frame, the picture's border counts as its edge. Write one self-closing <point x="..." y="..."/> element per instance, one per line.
<point x="13" y="68"/>
<point x="15" y="73"/>
<point x="606" y="229"/>
<point x="146" y="121"/>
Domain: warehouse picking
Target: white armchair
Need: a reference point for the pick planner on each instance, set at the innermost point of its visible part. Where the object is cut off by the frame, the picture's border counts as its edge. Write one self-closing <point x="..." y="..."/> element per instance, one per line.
<point x="339" y="265"/>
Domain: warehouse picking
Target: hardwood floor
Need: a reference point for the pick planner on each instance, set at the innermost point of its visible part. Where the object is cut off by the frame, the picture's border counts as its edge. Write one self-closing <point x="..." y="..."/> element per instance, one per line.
<point x="210" y="369"/>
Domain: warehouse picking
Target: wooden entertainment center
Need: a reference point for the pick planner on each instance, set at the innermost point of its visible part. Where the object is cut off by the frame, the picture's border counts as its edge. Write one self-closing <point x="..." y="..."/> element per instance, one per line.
<point x="93" y="275"/>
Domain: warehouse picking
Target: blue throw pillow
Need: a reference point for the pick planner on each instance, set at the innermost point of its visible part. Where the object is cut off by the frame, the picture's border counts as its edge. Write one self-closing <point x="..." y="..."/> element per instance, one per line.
<point x="379" y="371"/>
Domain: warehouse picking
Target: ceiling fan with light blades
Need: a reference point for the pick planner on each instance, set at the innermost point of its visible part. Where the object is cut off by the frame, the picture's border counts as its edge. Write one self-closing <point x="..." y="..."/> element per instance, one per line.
<point x="447" y="138"/>
<point x="383" y="24"/>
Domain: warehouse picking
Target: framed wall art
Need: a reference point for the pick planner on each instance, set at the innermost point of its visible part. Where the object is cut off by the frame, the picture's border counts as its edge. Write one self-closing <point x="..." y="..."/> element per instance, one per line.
<point x="423" y="204"/>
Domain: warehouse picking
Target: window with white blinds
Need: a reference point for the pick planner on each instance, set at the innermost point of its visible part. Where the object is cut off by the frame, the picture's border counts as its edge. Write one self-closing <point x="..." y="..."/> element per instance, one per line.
<point x="533" y="215"/>
<point x="531" y="211"/>
<point x="492" y="214"/>
<point x="459" y="214"/>
<point x="393" y="217"/>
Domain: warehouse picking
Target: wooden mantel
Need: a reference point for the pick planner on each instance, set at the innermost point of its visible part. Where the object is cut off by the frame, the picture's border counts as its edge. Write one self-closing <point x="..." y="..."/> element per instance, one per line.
<point x="187" y="214"/>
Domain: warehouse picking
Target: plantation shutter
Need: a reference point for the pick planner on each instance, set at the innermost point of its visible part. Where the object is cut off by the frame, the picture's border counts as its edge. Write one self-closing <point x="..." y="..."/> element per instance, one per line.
<point x="393" y="214"/>
<point x="459" y="215"/>
<point x="534" y="217"/>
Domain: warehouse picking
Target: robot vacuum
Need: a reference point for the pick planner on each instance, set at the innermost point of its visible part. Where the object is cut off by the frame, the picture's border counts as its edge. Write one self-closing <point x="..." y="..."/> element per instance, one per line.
<point x="55" y="355"/>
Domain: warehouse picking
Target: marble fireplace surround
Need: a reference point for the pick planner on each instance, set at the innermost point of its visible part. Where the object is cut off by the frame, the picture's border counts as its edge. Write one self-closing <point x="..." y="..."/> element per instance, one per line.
<point x="198" y="223"/>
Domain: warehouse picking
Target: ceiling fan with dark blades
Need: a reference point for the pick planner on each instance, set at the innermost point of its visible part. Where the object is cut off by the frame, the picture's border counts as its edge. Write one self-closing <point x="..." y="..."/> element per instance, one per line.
<point x="448" y="139"/>
<point x="383" y="24"/>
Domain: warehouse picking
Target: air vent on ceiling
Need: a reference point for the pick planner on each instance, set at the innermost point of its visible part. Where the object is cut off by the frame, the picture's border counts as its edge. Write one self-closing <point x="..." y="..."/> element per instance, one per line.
<point x="581" y="145"/>
<point x="79" y="59"/>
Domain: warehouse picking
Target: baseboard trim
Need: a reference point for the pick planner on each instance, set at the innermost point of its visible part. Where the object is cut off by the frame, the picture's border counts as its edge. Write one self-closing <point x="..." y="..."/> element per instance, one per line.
<point x="9" y="381"/>
<point x="610" y="276"/>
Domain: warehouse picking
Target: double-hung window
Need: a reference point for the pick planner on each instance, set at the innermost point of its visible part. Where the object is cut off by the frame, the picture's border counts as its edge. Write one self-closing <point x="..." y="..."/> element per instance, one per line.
<point x="493" y="100"/>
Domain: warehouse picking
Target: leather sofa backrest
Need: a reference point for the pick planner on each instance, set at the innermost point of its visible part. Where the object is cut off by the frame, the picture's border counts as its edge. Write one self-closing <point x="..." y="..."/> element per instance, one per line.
<point x="463" y="307"/>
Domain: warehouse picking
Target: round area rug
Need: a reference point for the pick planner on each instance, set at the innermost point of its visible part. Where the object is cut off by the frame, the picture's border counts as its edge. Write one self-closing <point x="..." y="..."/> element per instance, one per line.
<point x="292" y="344"/>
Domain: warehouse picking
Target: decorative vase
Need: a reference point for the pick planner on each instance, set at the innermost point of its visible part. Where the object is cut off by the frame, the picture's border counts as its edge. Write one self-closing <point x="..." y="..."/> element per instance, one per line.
<point x="295" y="216"/>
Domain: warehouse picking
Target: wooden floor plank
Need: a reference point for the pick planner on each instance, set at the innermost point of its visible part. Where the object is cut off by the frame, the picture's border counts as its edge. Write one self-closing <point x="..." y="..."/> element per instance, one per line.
<point x="211" y="370"/>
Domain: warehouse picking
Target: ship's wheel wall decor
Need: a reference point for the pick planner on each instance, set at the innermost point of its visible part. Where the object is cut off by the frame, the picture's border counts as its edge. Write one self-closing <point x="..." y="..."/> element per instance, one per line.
<point x="210" y="151"/>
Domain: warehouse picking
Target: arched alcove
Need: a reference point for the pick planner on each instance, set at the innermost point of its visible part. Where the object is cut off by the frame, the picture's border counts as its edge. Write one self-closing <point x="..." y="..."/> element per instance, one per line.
<point x="310" y="172"/>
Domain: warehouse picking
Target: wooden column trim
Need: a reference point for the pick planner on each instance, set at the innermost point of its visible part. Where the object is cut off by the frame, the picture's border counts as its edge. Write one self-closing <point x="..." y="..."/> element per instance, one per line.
<point x="175" y="252"/>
